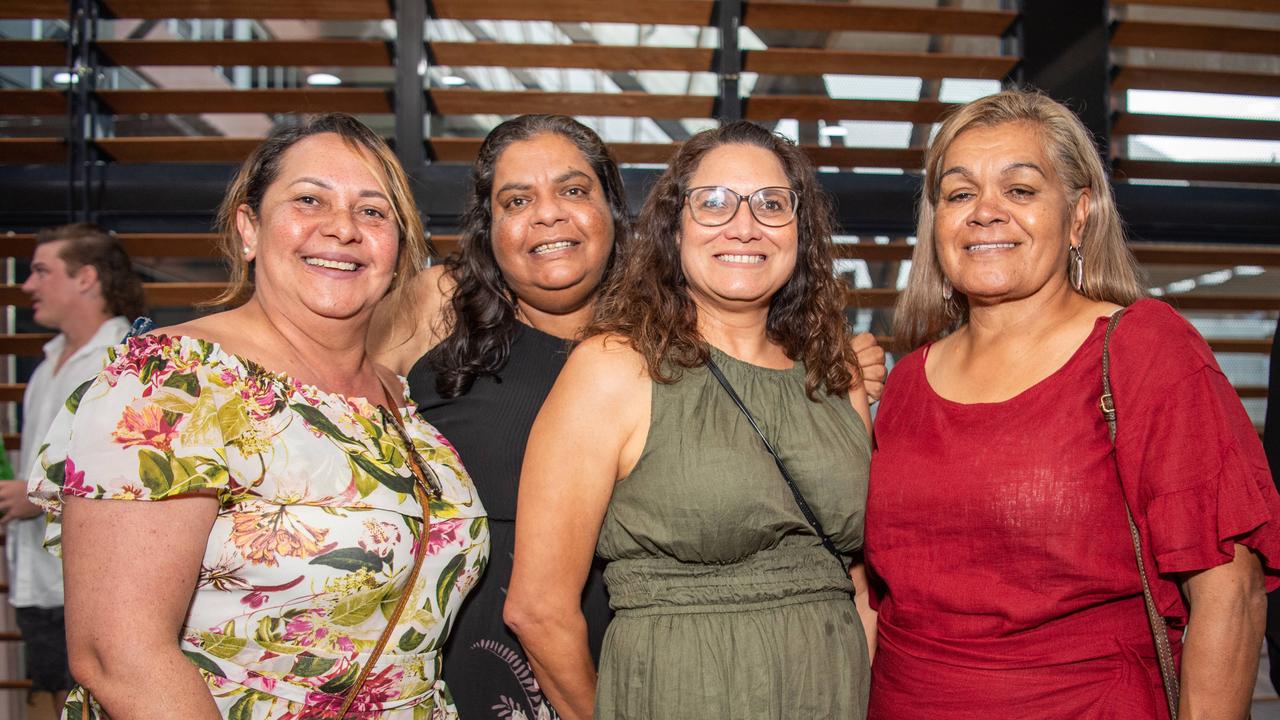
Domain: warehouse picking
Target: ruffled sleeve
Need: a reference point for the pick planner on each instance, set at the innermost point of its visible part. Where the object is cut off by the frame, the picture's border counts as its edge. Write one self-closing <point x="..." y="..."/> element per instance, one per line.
<point x="146" y="428"/>
<point x="1191" y="461"/>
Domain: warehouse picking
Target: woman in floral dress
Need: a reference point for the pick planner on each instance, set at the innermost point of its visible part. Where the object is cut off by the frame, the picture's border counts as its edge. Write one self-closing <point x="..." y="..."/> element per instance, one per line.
<point x="317" y="536"/>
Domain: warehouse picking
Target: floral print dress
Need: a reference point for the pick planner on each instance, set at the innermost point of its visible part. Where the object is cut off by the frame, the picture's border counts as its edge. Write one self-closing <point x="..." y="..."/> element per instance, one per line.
<point x="315" y="536"/>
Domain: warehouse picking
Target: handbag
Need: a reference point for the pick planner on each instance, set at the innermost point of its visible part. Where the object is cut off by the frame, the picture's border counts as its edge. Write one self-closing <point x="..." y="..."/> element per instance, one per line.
<point x="1159" y="631"/>
<point x="786" y="475"/>
<point x="425" y="487"/>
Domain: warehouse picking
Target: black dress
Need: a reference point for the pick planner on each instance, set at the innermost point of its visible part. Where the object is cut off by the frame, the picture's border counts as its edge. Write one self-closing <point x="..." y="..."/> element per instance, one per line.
<point x="484" y="665"/>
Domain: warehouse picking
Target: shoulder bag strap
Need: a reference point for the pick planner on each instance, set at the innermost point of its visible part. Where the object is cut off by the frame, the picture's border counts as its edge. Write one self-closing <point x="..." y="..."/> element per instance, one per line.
<point x="786" y="475"/>
<point x="1159" y="632"/>
<point x="424" y="489"/>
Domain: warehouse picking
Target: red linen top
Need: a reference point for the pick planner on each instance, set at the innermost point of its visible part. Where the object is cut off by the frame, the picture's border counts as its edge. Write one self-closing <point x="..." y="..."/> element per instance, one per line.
<point x="996" y="534"/>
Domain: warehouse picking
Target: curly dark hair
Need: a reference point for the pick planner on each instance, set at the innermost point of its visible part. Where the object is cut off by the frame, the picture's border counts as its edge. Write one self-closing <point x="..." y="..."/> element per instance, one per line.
<point x="90" y="244"/>
<point x="648" y="302"/>
<point x="483" y="306"/>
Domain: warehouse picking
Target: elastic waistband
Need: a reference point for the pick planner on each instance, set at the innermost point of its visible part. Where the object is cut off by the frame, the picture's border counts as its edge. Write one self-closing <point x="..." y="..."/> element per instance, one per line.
<point x="769" y="578"/>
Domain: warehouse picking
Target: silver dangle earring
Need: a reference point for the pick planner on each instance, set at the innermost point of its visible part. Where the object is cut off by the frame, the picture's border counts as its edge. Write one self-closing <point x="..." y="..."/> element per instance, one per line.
<point x="1075" y="268"/>
<point x="947" y="290"/>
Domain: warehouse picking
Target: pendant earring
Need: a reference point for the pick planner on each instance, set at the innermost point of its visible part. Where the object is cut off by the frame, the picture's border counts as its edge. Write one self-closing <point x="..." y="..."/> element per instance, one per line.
<point x="947" y="290"/>
<point x="1075" y="268"/>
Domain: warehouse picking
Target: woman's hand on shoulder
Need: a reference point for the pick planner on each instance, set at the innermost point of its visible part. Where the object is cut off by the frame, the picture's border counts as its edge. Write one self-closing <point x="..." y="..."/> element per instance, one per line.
<point x="871" y="362"/>
<point x="400" y="333"/>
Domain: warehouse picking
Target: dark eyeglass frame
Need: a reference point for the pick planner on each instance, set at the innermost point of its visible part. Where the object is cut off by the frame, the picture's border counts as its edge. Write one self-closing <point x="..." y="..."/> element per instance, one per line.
<point x="739" y="198"/>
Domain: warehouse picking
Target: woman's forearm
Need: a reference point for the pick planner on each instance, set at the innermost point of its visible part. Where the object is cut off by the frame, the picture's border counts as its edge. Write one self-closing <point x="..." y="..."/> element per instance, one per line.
<point x="557" y="650"/>
<point x="135" y="683"/>
<point x="1224" y="633"/>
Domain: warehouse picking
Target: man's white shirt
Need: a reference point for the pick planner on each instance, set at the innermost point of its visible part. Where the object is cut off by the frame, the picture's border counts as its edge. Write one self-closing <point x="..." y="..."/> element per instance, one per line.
<point x="35" y="575"/>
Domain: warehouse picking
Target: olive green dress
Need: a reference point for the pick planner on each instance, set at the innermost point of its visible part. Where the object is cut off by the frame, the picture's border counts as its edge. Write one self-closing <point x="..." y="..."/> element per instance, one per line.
<point x="727" y="604"/>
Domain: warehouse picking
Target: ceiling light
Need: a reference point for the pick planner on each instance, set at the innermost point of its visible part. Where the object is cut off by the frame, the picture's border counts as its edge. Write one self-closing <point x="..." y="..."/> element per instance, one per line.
<point x="834" y="130"/>
<point x="64" y="78"/>
<point x="453" y="80"/>
<point x="323" y="79"/>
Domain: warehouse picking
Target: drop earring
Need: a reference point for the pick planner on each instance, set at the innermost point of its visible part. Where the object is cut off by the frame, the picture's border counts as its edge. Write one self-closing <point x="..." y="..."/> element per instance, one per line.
<point x="1075" y="268"/>
<point x="947" y="290"/>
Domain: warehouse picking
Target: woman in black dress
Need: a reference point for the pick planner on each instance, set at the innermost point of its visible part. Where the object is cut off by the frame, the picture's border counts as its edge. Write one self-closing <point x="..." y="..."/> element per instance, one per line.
<point x="482" y="341"/>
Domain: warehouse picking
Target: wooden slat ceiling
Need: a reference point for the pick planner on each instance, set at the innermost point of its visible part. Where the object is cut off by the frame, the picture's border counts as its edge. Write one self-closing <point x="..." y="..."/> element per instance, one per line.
<point x="1215" y="38"/>
<point x="1268" y="173"/>
<point x="325" y="51"/>
<point x="304" y="100"/>
<point x="22" y="151"/>
<point x="44" y="53"/>
<point x="1131" y="77"/>
<point x="177" y="149"/>
<point x="34" y="10"/>
<point x="1258" y="5"/>
<point x="32" y="102"/>
<point x="169" y="294"/>
<point x="457" y="101"/>
<point x="666" y="12"/>
<point x="250" y="9"/>
<point x="787" y="15"/>
<point x="1139" y="124"/>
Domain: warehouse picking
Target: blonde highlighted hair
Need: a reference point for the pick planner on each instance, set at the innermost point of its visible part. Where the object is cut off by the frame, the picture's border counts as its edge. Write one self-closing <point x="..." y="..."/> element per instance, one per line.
<point x="261" y="169"/>
<point x="1110" y="272"/>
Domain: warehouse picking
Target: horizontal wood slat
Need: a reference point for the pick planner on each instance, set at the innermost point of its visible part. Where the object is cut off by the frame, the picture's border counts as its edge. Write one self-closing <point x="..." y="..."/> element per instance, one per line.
<point x="1199" y="171"/>
<point x="33" y="102"/>
<point x="22" y="245"/>
<point x="665" y="12"/>
<point x="12" y="441"/>
<point x="599" y="57"/>
<point x="1207" y="81"/>
<point x="1140" y="124"/>
<point x="12" y="392"/>
<point x="1147" y="253"/>
<point x="1247" y="5"/>
<point x="192" y="102"/>
<point x="1256" y="346"/>
<point x="34" y="10"/>
<point x="1251" y="391"/>
<point x="788" y="15"/>
<point x="884" y="297"/>
<point x="1213" y="38"/>
<point x="933" y="66"/>
<point x="22" y="151"/>
<point x="45" y="53"/>
<point x="177" y="149"/>
<point x="463" y="150"/>
<point x="817" y="107"/>
<point x="327" y="52"/>
<point x="623" y="104"/>
<point x="170" y="294"/>
<point x="24" y="344"/>
<point x="251" y="9"/>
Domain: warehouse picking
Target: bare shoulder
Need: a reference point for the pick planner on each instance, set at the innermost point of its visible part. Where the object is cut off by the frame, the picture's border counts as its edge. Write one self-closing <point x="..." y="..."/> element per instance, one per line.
<point x="217" y="328"/>
<point x="403" y="331"/>
<point x="861" y="403"/>
<point x="607" y="359"/>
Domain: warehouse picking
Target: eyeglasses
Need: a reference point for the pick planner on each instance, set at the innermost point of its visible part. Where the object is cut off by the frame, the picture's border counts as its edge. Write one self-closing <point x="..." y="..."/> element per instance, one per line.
<point x="715" y="205"/>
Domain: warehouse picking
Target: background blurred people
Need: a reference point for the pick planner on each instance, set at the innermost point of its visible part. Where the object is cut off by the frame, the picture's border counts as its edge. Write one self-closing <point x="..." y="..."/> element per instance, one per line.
<point x="83" y="286"/>
<point x="727" y="603"/>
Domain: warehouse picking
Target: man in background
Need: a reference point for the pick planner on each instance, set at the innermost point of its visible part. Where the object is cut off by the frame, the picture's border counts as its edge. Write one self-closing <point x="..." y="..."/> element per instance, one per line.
<point x="83" y="286"/>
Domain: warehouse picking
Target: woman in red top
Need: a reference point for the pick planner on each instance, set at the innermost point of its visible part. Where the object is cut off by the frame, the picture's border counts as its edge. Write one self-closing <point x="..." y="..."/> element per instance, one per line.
<point x="996" y="526"/>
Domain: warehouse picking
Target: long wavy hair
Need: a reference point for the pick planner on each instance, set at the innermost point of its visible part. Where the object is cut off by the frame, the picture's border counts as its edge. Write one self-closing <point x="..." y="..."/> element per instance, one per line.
<point x="648" y="302"/>
<point x="1111" y="273"/>
<point x="482" y="322"/>
<point x="261" y="169"/>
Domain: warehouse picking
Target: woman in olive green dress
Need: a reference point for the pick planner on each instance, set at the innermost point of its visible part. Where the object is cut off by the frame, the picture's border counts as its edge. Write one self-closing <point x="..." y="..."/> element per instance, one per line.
<point x="728" y="605"/>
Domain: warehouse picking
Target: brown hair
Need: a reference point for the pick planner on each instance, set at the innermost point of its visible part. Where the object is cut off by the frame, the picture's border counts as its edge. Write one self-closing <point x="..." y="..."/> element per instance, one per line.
<point x="648" y="301"/>
<point x="262" y="167"/>
<point x="90" y="244"/>
<point x="1110" y="270"/>
<point x="483" y="322"/>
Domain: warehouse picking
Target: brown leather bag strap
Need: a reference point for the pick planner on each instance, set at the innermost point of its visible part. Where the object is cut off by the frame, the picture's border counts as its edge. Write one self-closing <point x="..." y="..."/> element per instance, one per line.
<point x="1159" y="631"/>
<point x="424" y="489"/>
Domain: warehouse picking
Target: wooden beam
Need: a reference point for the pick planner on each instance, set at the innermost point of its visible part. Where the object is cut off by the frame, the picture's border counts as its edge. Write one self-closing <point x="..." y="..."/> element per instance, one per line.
<point x="1177" y="36"/>
<point x="647" y="12"/>
<point x="597" y="57"/>
<point x="1140" y="124"/>
<point x="179" y="149"/>
<point x="12" y="392"/>
<point x="624" y="104"/>
<point x="847" y="157"/>
<point x="788" y="15"/>
<point x="167" y="294"/>
<point x="1245" y="5"/>
<point x="12" y="441"/>
<point x="45" y="53"/>
<point x="1251" y="391"/>
<point x="250" y="9"/>
<point x="1255" y="346"/>
<point x="933" y="66"/>
<point x="1189" y="254"/>
<point x="27" y="151"/>
<point x="1268" y="173"/>
<point x="464" y="150"/>
<point x="34" y="10"/>
<point x="195" y="102"/>
<point x="287" y="53"/>
<point x="24" y="344"/>
<point x="818" y="107"/>
<point x="1223" y="303"/>
<point x="1132" y="77"/>
<point x="33" y="102"/>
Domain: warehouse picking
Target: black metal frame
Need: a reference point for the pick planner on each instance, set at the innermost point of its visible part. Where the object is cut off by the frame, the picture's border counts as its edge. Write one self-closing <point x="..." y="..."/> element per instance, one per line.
<point x="1064" y="50"/>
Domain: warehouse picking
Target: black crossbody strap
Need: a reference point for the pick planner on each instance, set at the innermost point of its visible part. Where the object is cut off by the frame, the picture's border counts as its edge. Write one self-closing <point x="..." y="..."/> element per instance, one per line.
<point x="786" y="475"/>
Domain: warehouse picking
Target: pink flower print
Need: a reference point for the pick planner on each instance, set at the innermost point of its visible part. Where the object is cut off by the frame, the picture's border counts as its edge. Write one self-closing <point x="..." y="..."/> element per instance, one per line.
<point x="306" y="629"/>
<point x="378" y="688"/>
<point x="379" y="537"/>
<point x="148" y="427"/>
<point x="73" y="481"/>
<point x="442" y="534"/>
<point x="254" y="600"/>
<point x="467" y="579"/>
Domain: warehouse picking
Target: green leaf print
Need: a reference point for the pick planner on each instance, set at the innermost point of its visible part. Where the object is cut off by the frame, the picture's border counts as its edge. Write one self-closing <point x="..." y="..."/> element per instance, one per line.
<point x="476" y="526"/>
<point x="365" y="483"/>
<point x="411" y="640"/>
<point x="444" y="587"/>
<point x="309" y="665"/>
<point x="268" y="636"/>
<point x="155" y="472"/>
<point x="243" y="708"/>
<point x="204" y="663"/>
<point x="316" y="419"/>
<point x="395" y="483"/>
<point x="357" y="607"/>
<point x="343" y="682"/>
<point x="73" y="400"/>
<point x="350" y="559"/>
<point x="224" y="645"/>
<point x="150" y="366"/>
<point x="185" y="382"/>
<point x="57" y="472"/>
